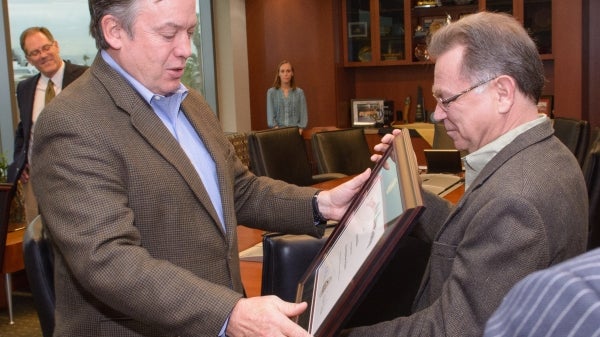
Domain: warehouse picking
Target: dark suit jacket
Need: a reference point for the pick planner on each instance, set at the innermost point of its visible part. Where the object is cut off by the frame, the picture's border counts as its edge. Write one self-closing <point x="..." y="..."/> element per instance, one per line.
<point x="25" y="95"/>
<point x="525" y="211"/>
<point x="140" y="250"/>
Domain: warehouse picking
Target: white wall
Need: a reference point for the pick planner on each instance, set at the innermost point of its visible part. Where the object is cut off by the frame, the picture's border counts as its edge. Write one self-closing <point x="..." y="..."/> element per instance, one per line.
<point x="231" y="61"/>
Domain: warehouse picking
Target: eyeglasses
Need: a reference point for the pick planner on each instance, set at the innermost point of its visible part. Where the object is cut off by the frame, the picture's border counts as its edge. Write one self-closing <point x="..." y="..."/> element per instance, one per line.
<point x="445" y="103"/>
<point x="37" y="52"/>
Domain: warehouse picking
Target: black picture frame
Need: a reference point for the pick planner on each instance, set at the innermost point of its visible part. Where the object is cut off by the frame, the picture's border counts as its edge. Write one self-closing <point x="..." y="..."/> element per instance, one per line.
<point x="358" y="250"/>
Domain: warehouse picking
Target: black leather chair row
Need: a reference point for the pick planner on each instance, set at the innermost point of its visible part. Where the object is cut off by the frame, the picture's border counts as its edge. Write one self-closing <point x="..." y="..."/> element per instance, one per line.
<point x="281" y="154"/>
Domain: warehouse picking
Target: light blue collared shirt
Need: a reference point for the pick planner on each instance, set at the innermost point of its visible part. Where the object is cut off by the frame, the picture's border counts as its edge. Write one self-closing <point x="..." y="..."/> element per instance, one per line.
<point x="168" y="109"/>
<point x="476" y="161"/>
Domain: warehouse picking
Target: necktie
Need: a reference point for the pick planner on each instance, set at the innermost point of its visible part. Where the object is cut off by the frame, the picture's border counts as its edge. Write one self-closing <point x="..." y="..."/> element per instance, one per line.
<point x="49" y="92"/>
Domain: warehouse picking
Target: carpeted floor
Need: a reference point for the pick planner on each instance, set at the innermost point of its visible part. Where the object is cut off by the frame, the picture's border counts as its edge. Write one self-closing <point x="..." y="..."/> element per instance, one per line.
<point x="25" y="317"/>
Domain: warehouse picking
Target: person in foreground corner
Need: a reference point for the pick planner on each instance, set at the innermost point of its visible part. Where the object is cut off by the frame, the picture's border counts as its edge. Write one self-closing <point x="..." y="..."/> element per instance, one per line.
<point x="525" y="204"/>
<point x="141" y="192"/>
<point x="560" y="301"/>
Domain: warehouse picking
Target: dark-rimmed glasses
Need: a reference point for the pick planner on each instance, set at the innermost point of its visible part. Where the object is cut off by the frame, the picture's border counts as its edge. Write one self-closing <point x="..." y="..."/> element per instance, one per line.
<point x="37" y="52"/>
<point x="445" y="102"/>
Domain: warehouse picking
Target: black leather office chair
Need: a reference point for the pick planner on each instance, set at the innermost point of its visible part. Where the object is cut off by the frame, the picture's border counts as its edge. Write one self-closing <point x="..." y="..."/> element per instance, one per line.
<point x="441" y="140"/>
<point x="574" y="134"/>
<point x="591" y="172"/>
<point x="39" y="266"/>
<point x="341" y="151"/>
<point x="287" y="257"/>
<point x="280" y="154"/>
<point x="7" y="193"/>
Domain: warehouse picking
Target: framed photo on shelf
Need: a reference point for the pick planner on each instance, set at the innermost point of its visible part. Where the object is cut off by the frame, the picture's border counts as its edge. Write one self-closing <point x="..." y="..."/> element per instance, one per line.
<point x="367" y="112"/>
<point x="384" y="210"/>
<point x="357" y="29"/>
<point x="545" y="105"/>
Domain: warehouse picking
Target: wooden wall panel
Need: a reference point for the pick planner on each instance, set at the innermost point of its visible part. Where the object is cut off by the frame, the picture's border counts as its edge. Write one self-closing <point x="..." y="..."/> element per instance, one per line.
<point x="305" y="33"/>
<point x="396" y="83"/>
<point x="567" y="52"/>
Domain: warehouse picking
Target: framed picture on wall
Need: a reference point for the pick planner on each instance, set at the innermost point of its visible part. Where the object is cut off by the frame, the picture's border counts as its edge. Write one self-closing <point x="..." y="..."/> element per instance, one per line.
<point x="367" y="112"/>
<point x="357" y="29"/>
<point x="545" y="105"/>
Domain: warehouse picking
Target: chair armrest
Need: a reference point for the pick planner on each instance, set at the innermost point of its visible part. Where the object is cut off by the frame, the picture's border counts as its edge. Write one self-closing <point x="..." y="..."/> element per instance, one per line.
<point x="286" y="258"/>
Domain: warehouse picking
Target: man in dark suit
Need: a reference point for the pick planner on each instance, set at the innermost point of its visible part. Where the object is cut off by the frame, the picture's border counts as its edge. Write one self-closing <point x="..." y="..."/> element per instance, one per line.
<point x="43" y="52"/>
<point x="525" y="205"/>
<point x="141" y="192"/>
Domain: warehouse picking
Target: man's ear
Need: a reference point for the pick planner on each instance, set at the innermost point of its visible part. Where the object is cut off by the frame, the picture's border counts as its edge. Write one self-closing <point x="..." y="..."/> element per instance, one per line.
<point x="505" y="88"/>
<point x="112" y="31"/>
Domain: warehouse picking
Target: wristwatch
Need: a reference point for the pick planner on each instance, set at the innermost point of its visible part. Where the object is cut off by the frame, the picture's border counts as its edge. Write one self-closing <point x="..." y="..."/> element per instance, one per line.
<point x="318" y="218"/>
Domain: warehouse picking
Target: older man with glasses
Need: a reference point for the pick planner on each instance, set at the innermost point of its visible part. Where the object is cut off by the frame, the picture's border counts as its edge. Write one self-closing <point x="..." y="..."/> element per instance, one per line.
<point x="525" y="206"/>
<point x="43" y="52"/>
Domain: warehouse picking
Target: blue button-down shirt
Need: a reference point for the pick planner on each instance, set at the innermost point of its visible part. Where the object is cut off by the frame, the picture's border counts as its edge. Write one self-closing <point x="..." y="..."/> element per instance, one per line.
<point x="168" y="109"/>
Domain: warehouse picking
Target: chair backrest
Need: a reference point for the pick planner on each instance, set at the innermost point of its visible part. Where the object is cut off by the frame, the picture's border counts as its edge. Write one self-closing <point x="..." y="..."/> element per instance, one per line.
<point x="39" y="266"/>
<point x="285" y="260"/>
<point x="591" y="172"/>
<point x="239" y="140"/>
<point x="574" y="134"/>
<point x="280" y="154"/>
<point x="584" y="142"/>
<point x="441" y="140"/>
<point x="7" y="192"/>
<point x="341" y="151"/>
<point x="287" y="257"/>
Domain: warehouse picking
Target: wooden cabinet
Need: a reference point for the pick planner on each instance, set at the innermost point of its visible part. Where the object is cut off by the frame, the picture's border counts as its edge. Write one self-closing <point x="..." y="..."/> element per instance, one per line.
<point x="394" y="32"/>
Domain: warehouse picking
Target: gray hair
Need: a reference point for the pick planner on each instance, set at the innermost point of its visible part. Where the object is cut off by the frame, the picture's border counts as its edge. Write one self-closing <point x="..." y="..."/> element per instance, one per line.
<point x="125" y="11"/>
<point x="495" y="44"/>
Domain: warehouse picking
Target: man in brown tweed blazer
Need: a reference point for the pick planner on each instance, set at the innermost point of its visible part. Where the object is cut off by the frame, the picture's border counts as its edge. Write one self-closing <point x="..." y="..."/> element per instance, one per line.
<point x="525" y="206"/>
<point x="141" y="192"/>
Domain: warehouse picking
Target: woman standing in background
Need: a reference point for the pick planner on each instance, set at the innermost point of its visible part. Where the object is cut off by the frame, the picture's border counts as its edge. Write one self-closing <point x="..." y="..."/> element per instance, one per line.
<point x="286" y="104"/>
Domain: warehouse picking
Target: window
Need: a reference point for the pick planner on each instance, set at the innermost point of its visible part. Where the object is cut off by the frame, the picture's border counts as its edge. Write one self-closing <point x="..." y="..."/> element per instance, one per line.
<point x="68" y="20"/>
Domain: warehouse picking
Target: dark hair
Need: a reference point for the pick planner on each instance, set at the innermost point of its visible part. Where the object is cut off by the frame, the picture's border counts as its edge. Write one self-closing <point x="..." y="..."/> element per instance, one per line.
<point x="32" y="30"/>
<point x="277" y="83"/>
<point x="494" y="44"/>
<point x="125" y="11"/>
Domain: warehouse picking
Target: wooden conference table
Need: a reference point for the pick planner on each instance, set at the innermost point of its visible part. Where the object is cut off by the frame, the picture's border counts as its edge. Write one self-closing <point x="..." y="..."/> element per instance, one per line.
<point x="247" y="237"/>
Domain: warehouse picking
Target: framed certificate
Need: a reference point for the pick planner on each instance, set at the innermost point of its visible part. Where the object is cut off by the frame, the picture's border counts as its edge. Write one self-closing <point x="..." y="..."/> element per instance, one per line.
<point x="384" y="210"/>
